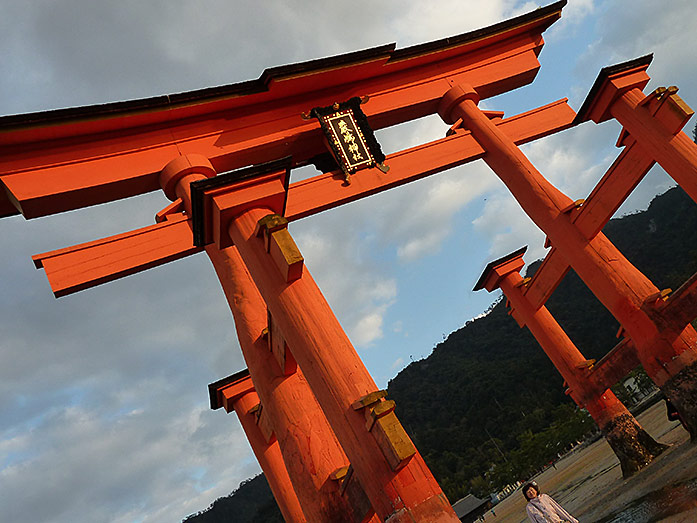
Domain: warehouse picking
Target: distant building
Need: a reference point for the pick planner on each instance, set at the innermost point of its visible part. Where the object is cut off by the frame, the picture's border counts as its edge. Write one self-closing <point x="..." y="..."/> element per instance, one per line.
<point x="469" y="508"/>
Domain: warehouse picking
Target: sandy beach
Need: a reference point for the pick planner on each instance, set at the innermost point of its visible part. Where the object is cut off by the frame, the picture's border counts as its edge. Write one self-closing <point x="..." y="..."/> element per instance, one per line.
<point x="588" y="482"/>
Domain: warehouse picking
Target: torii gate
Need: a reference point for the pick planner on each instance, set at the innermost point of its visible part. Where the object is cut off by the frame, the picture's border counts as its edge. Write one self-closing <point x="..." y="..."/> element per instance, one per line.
<point x="61" y="160"/>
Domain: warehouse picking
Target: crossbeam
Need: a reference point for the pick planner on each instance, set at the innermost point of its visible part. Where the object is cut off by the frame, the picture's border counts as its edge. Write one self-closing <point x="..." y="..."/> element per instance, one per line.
<point x="83" y="266"/>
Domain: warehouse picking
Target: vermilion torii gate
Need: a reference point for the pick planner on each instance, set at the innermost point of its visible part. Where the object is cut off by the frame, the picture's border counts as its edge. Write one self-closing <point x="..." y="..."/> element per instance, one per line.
<point x="308" y="398"/>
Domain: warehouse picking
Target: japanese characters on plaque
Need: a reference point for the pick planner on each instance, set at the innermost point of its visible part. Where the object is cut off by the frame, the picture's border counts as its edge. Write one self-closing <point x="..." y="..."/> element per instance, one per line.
<point x="350" y="138"/>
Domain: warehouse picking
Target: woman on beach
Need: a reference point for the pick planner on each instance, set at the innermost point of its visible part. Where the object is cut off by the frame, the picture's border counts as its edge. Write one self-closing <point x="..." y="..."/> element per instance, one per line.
<point x="543" y="509"/>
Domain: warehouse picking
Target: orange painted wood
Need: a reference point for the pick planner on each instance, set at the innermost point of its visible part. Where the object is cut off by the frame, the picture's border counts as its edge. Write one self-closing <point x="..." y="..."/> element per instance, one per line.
<point x="327" y="191"/>
<point x="89" y="264"/>
<point x="612" y="190"/>
<point x="600" y="402"/>
<point x="615" y="282"/>
<point x="675" y="152"/>
<point x="115" y="257"/>
<point x="337" y="378"/>
<point x="269" y="457"/>
<point x="556" y="344"/>
<point x="616" y="185"/>
<point x="105" y="153"/>
<point x="615" y="365"/>
<point x="309" y="447"/>
<point x="548" y="276"/>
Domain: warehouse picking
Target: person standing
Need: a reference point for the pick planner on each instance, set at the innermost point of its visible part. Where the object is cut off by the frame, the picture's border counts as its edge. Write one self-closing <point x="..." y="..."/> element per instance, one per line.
<point x="541" y="508"/>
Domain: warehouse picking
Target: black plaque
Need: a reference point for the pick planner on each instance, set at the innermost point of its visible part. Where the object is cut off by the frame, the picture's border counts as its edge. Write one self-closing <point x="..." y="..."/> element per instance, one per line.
<point x="349" y="136"/>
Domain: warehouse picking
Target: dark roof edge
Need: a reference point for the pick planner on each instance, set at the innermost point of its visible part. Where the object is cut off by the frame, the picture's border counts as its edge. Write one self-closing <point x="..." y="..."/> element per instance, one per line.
<point x="480" y="283"/>
<point x="259" y="85"/>
<point x="414" y="50"/>
<point x="208" y="93"/>
<point x="604" y="74"/>
<point x="214" y="387"/>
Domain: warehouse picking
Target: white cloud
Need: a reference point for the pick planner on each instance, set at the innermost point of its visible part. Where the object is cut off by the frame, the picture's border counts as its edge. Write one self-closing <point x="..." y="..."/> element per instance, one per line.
<point x="398" y="363"/>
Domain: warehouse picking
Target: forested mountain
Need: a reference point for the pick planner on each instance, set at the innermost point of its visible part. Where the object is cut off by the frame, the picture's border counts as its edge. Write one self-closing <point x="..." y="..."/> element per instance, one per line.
<point x="487" y="406"/>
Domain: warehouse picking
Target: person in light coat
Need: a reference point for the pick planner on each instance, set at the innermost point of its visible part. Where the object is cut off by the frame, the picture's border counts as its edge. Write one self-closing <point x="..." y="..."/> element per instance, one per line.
<point x="541" y="508"/>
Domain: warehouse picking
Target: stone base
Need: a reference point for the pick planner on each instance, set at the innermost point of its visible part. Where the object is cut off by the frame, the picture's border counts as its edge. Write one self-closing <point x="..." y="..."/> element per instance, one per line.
<point x="681" y="389"/>
<point x="632" y="445"/>
<point x="436" y="509"/>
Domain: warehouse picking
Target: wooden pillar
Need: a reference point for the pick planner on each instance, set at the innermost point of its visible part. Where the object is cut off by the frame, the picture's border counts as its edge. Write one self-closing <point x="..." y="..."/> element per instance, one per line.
<point x="632" y="445"/>
<point x="669" y="357"/>
<point x="655" y="120"/>
<point x="311" y="452"/>
<point x="395" y="478"/>
<point x="239" y="395"/>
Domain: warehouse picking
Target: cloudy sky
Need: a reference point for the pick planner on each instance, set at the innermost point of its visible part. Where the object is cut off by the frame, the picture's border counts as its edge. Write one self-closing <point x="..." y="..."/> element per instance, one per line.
<point x="103" y="401"/>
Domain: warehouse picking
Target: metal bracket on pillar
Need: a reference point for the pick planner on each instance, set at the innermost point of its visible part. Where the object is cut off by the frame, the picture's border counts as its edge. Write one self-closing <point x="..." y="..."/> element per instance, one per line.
<point x="673" y="310"/>
<point x="586" y="364"/>
<point x="353" y="491"/>
<point x="281" y="246"/>
<point x="457" y="126"/>
<point x="667" y="107"/>
<point x="576" y="205"/>
<point x="383" y="424"/>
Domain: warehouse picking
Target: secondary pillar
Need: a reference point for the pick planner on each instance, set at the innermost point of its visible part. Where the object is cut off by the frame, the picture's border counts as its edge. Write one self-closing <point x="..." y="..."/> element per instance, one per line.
<point x="655" y="120"/>
<point x="309" y="447"/>
<point x="632" y="445"/>
<point x="669" y="357"/>
<point x="237" y="393"/>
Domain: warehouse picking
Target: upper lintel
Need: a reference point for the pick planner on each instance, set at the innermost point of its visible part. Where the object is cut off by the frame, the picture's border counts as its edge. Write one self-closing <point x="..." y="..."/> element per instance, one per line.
<point x="542" y="17"/>
<point x="481" y="283"/>
<point x="61" y="160"/>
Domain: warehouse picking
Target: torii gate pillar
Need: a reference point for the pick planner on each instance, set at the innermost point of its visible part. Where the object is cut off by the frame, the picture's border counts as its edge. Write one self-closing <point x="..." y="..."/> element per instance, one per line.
<point x="243" y="210"/>
<point x="238" y="394"/>
<point x="669" y="357"/>
<point x="632" y="445"/>
<point x="317" y="466"/>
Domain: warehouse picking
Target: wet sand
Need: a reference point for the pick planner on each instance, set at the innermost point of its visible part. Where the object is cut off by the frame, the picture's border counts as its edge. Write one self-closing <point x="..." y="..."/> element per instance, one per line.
<point x="588" y="482"/>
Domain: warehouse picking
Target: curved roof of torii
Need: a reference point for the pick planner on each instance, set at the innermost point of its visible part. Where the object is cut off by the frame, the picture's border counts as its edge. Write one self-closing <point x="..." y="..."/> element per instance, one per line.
<point x="102" y="164"/>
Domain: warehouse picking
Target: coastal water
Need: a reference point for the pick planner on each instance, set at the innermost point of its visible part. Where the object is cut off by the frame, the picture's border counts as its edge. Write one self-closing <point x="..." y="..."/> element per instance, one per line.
<point x="657" y="505"/>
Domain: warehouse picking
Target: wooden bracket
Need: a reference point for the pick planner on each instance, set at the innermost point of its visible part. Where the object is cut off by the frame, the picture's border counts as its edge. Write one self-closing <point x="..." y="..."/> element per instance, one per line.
<point x="279" y="348"/>
<point x="340" y="473"/>
<point x="280" y="245"/>
<point x="383" y="424"/>
<point x="571" y="207"/>
<point x="369" y="399"/>
<point x="177" y="206"/>
<point x="586" y="364"/>
<point x="523" y="282"/>
<point x="393" y="440"/>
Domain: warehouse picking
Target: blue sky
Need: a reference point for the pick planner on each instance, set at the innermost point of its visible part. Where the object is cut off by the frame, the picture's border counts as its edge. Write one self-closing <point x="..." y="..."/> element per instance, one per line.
<point x="103" y="402"/>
